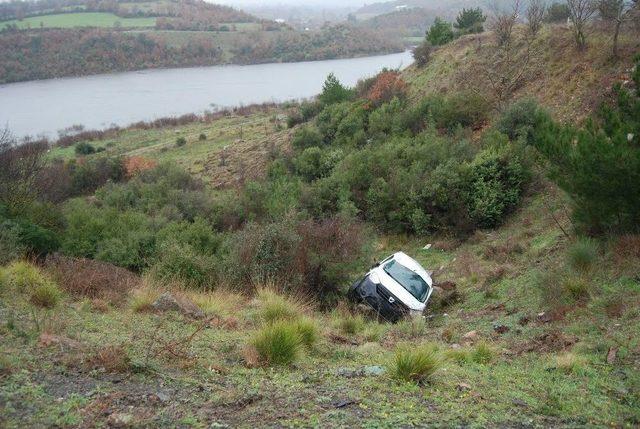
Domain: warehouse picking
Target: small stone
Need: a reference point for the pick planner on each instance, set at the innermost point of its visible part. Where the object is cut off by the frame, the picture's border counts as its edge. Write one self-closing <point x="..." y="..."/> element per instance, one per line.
<point x="168" y="302"/>
<point x="456" y="346"/>
<point x="119" y="420"/>
<point x="427" y="247"/>
<point x="462" y="387"/>
<point x="373" y="370"/>
<point x="470" y="336"/>
<point x="501" y="329"/>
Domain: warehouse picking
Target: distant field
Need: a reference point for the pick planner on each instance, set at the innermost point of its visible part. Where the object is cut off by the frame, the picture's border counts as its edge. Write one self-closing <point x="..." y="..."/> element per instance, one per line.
<point x="84" y="19"/>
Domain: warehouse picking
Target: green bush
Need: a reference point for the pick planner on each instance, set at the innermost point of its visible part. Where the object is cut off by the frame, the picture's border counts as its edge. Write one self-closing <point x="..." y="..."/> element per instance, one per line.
<point x="24" y="277"/>
<point x="415" y="364"/>
<point x="470" y="21"/>
<point x="583" y="254"/>
<point x="314" y="163"/>
<point x="334" y="92"/>
<point x="278" y="344"/>
<point x="520" y="119"/>
<point x="306" y="137"/>
<point x="181" y="141"/>
<point x="462" y="109"/>
<point x="11" y="246"/>
<point x="182" y="264"/>
<point x="84" y="148"/>
<point x="440" y="32"/>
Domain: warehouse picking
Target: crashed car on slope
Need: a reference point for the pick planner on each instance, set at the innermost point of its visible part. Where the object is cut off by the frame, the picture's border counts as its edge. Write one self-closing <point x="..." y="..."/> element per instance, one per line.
<point x="396" y="287"/>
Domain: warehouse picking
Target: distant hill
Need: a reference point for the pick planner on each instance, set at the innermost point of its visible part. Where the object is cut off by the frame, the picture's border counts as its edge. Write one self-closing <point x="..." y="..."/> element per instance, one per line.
<point x="443" y="8"/>
<point x="54" y="38"/>
<point x="407" y="22"/>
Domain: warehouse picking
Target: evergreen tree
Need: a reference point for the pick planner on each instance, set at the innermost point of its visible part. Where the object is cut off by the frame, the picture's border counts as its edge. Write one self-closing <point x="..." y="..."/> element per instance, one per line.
<point x="470" y="21"/>
<point x="440" y="33"/>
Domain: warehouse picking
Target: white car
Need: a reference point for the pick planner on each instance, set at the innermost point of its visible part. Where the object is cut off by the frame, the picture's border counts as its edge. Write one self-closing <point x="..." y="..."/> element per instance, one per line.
<point x="396" y="287"/>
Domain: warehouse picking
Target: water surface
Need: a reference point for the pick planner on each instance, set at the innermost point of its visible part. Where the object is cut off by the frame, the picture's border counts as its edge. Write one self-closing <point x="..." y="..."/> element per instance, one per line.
<point x="47" y="106"/>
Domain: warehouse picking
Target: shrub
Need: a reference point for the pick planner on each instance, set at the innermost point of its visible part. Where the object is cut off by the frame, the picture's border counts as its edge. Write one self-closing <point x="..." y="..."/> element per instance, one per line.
<point x="334" y="92"/>
<point x="11" y="247"/>
<point x="181" y="141"/>
<point x="111" y="358"/>
<point x="183" y="264"/>
<point x="422" y="54"/>
<point x="440" y="32"/>
<point x="45" y="295"/>
<point x="202" y="137"/>
<point x="415" y="364"/>
<point x="309" y="109"/>
<point x="84" y="148"/>
<point x="387" y="86"/>
<point x="558" y="13"/>
<point x="495" y="181"/>
<point x="470" y="21"/>
<point x="520" y="120"/>
<point x="314" y="163"/>
<point x="92" y="279"/>
<point x="459" y="110"/>
<point x="306" y="137"/>
<point x="482" y="353"/>
<point x="24" y="276"/>
<point x="278" y="343"/>
<point x="582" y="254"/>
<point x="599" y="166"/>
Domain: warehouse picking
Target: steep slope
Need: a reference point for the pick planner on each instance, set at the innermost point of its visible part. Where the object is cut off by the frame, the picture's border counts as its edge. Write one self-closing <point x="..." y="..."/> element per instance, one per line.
<point x="570" y="83"/>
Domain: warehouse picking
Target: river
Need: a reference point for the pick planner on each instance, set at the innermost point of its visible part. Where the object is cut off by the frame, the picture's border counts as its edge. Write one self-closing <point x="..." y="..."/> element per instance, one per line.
<point x="42" y="108"/>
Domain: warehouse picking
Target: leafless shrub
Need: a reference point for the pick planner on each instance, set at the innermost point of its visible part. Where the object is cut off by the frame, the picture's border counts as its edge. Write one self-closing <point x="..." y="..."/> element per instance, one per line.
<point x="92" y="279"/>
<point x="580" y="12"/>
<point x="536" y="12"/>
<point x="20" y="165"/>
<point x="504" y="22"/>
<point x="615" y="13"/>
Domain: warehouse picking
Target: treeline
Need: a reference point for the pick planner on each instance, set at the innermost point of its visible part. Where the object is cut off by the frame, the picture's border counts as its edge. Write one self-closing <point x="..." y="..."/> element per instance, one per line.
<point x="339" y="41"/>
<point x="77" y="52"/>
<point x="56" y="53"/>
<point x="185" y="9"/>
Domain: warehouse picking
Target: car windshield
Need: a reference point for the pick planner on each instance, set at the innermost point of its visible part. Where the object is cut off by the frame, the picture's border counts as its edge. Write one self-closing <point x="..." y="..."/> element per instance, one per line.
<point x="408" y="279"/>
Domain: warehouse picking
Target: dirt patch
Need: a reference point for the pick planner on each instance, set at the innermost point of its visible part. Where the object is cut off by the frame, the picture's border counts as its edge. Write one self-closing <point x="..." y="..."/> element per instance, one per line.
<point x="549" y="342"/>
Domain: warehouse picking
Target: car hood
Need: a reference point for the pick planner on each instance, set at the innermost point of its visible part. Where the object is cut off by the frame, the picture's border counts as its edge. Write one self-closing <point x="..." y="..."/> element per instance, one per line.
<point x="399" y="291"/>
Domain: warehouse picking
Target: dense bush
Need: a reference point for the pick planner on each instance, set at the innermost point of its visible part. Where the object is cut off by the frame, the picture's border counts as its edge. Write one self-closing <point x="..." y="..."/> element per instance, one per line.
<point x="470" y="21"/>
<point x="422" y="53"/>
<point x="599" y="165"/>
<point x="84" y="148"/>
<point x="520" y="119"/>
<point x="333" y="91"/>
<point x="440" y="33"/>
<point x="557" y="13"/>
<point x="306" y="137"/>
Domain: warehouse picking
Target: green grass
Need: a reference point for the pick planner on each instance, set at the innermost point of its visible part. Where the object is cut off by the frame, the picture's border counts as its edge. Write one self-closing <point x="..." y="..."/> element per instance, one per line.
<point x="279" y="343"/>
<point x="81" y="19"/>
<point x="416" y="364"/>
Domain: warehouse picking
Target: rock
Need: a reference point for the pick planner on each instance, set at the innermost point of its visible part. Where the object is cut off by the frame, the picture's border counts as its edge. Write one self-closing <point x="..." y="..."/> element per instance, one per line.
<point x="48" y="340"/>
<point x="448" y="285"/>
<point x="544" y="317"/>
<point x="373" y="370"/>
<point x="119" y="420"/>
<point x="168" y="302"/>
<point x="462" y="387"/>
<point x="501" y="329"/>
<point x="470" y="336"/>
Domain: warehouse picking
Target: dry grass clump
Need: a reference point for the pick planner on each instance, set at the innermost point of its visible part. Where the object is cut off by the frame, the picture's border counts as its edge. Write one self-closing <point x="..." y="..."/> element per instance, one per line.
<point x="141" y="300"/>
<point x="415" y="364"/>
<point x="569" y="363"/>
<point x="274" y="306"/>
<point x="111" y="358"/>
<point x="219" y="302"/>
<point x="93" y="279"/>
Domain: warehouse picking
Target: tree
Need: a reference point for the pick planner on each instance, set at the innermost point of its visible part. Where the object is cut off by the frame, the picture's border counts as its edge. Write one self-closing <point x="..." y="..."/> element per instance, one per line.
<point x="557" y="13"/>
<point x="614" y="12"/>
<point x="580" y="12"/>
<point x="535" y="16"/>
<point x="440" y="33"/>
<point x="19" y="169"/>
<point x="470" y="21"/>
<point x="333" y="91"/>
<point x="504" y="22"/>
<point x="422" y="53"/>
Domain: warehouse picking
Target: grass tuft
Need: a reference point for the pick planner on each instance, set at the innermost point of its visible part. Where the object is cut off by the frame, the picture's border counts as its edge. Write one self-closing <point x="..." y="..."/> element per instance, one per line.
<point x="308" y="332"/>
<point x="582" y="254"/>
<point x="569" y="363"/>
<point x="142" y="299"/>
<point x="415" y="364"/>
<point x="483" y="353"/>
<point x="46" y="295"/>
<point x="278" y="344"/>
<point x="349" y="323"/>
<point x="275" y="307"/>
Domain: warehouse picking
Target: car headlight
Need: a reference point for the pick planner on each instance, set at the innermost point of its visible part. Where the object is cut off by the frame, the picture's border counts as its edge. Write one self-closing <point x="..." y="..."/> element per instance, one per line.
<point x="375" y="278"/>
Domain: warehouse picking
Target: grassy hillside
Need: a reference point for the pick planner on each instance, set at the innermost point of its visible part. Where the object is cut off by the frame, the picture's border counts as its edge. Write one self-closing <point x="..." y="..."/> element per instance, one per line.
<point x="72" y="20"/>
<point x="158" y="297"/>
<point x="568" y="82"/>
